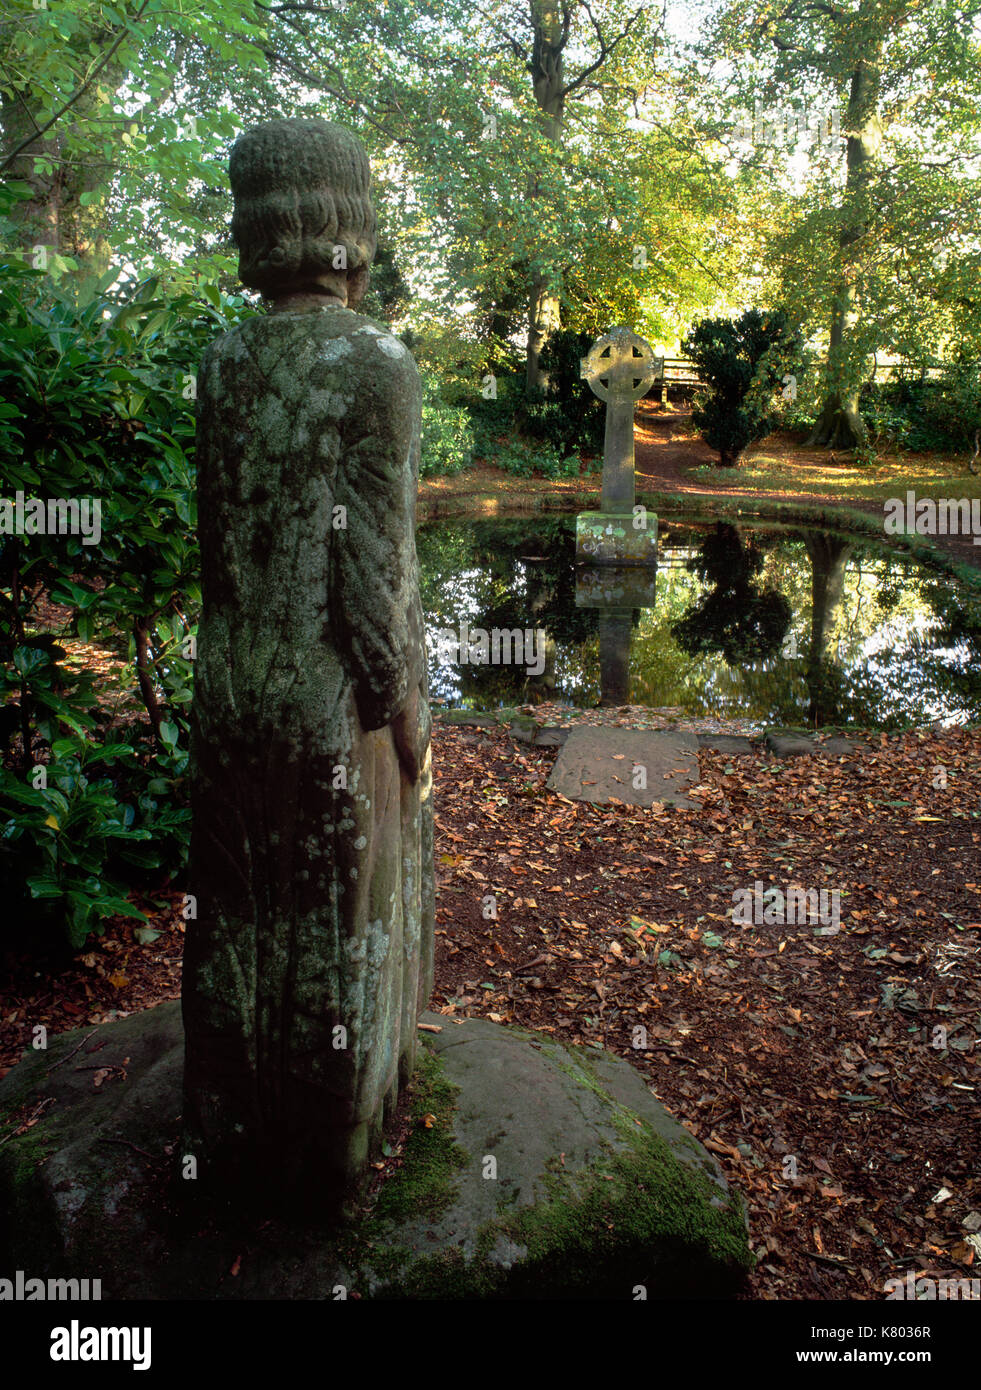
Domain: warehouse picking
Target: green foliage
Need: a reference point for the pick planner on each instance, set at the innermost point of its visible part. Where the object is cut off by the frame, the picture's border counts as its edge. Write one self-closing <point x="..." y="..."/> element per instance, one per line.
<point x="500" y="414"/>
<point x="873" y="237"/>
<point x="97" y="402"/>
<point x="57" y="840"/>
<point x="529" y="439"/>
<point x="447" y="434"/>
<point x="566" y="413"/>
<point x="40" y="695"/>
<point x="527" y="458"/>
<point x="919" y="412"/>
<point x="150" y="94"/>
<point x="741" y="362"/>
<point x="388" y="293"/>
<point x="952" y="411"/>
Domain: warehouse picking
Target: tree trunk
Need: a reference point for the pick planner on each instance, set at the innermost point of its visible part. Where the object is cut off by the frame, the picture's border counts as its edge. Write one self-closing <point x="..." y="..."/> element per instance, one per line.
<point x="145" y="671"/>
<point x="544" y="303"/>
<point x="840" y="424"/>
<point x="544" y="315"/>
<point x="829" y="560"/>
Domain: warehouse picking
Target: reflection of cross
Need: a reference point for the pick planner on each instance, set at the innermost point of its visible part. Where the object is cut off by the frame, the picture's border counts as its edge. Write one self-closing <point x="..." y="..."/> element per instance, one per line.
<point x="620" y="368"/>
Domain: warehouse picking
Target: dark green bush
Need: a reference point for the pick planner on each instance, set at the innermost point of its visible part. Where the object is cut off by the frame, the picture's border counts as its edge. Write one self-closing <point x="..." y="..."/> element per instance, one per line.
<point x="527" y="458"/>
<point x="97" y="401"/>
<point x="741" y="363"/>
<point x="920" y="412"/>
<point x="565" y="413"/>
<point x="58" y="836"/>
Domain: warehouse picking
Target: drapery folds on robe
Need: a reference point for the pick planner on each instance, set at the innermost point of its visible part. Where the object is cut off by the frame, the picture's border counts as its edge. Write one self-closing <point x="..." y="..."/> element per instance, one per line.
<point x="310" y="954"/>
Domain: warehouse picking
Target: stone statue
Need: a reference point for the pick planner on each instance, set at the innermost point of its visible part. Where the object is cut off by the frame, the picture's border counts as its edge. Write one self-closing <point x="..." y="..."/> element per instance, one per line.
<point x="310" y="956"/>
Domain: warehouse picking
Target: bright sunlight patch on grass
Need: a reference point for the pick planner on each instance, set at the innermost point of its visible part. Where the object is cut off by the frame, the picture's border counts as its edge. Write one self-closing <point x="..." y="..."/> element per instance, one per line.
<point x="927" y="475"/>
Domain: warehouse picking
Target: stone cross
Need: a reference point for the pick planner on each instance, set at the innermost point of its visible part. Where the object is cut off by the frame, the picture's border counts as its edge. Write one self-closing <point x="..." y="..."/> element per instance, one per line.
<point x="311" y="952"/>
<point x="620" y="368"/>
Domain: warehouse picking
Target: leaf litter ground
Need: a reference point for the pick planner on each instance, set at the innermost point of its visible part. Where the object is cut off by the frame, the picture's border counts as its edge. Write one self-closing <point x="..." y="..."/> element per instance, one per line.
<point x="810" y="1064"/>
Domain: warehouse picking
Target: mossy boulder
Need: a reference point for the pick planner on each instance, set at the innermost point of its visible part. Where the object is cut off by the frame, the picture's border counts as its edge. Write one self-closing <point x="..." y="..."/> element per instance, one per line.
<point x="531" y="1170"/>
<point x="577" y="1183"/>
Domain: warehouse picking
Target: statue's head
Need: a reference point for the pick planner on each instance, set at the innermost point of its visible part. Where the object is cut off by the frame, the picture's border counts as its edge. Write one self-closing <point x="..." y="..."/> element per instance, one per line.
<point x="303" y="217"/>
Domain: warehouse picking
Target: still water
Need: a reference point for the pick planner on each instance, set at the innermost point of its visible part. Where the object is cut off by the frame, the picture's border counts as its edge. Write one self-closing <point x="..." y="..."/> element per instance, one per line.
<point x="772" y="626"/>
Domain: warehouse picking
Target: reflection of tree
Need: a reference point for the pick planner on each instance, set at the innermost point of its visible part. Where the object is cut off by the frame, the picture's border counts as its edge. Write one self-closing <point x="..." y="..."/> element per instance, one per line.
<point x="520" y="574"/>
<point x="957" y="630"/>
<point x="736" y="617"/>
<point x="825" y="678"/>
<point x="900" y="644"/>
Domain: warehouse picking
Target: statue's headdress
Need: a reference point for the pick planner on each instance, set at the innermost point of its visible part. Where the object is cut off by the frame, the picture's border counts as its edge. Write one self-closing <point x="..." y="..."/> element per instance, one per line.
<point x="302" y="190"/>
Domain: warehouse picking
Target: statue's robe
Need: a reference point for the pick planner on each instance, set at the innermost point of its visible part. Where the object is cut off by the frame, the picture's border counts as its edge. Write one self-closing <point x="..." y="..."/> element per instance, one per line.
<point x="310" y="955"/>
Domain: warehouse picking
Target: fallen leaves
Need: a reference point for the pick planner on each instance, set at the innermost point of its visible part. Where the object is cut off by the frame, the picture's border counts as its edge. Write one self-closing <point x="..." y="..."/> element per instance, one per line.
<point x="770" y="1042"/>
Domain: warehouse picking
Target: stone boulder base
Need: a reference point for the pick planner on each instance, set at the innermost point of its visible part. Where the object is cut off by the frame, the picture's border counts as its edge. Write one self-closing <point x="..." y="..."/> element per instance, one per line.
<point x="793" y="744"/>
<point x="596" y="764"/>
<point x="531" y="1170"/>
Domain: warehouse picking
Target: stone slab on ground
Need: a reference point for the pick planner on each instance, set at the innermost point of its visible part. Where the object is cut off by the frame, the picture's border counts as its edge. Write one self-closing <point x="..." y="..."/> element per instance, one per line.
<point x="531" y="1170"/>
<point x="728" y="743"/>
<point x="799" y="745"/>
<point x="596" y="764"/>
<point x="550" y="736"/>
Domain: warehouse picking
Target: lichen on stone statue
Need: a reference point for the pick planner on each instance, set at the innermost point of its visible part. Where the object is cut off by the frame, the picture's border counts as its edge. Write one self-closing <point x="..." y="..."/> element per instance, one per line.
<point x="310" y="956"/>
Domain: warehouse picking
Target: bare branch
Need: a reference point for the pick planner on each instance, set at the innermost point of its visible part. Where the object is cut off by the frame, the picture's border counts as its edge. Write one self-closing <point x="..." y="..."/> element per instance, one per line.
<point x="606" y="49"/>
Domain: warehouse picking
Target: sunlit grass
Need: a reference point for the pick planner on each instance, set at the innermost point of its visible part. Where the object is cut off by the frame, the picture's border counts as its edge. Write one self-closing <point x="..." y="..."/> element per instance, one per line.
<point x="934" y="475"/>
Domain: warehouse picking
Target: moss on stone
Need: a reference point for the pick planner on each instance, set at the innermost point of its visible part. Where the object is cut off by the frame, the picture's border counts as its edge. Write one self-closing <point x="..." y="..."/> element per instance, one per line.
<point x="22" y="1082"/>
<point x="450" y="1275"/>
<point x="638" y="1207"/>
<point x="639" y="1214"/>
<point x="423" y="1184"/>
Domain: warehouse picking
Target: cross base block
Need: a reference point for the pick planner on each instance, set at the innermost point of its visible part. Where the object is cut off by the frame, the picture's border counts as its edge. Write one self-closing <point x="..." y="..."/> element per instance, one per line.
<point x="610" y="538"/>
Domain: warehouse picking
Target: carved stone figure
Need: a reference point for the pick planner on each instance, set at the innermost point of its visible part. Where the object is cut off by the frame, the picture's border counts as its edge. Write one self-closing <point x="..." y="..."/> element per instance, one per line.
<point x="310" y="956"/>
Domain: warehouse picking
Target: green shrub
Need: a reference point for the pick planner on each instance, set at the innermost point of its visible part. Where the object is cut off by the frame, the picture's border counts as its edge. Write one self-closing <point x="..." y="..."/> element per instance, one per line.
<point x="565" y="413"/>
<point x="919" y="412"/>
<point x="527" y="458"/>
<point x="741" y="362"/>
<point x="516" y="435"/>
<point x="447" y="435"/>
<point x="57" y="839"/>
<point x="952" y="412"/>
<point x="500" y="415"/>
<point x="97" y="401"/>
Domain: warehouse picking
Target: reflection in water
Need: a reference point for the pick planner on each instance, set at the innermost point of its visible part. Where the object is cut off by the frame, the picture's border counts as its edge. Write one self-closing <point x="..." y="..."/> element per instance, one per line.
<point x="774" y="626"/>
<point x="616" y="628"/>
<point x="829" y="556"/>
<point x="737" y="617"/>
<point x="615" y="593"/>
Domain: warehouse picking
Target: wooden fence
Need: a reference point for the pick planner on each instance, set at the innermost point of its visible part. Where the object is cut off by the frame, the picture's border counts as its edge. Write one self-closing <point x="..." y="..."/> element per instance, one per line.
<point x="681" y="375"/>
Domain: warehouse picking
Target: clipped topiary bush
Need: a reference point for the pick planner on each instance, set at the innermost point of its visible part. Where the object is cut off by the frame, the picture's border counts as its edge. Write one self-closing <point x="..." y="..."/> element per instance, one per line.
<point x="741" y="363"/>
